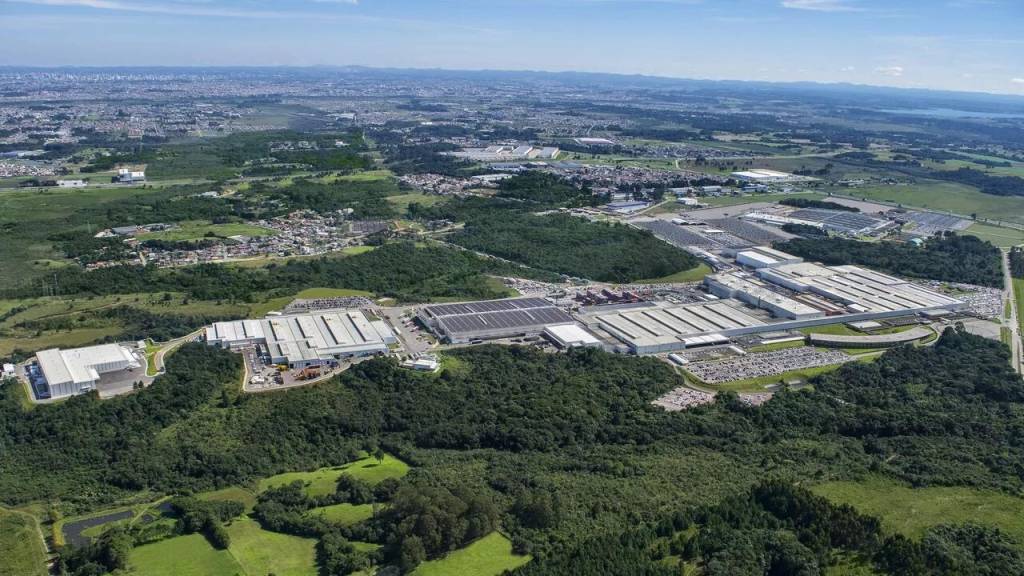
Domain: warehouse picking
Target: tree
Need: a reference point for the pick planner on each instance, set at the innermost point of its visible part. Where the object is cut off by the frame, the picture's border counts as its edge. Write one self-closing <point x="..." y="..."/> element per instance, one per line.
<point x="412" y="553"/>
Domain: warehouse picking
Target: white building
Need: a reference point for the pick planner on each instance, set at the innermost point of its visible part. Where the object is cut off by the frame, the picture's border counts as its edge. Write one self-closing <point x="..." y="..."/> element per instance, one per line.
<point x="127" y="176"/>
<point x="77" y="371"/>
<point x="318" y="339"/>
<point x="570" y="336"/>
<point x="71" y="183"/>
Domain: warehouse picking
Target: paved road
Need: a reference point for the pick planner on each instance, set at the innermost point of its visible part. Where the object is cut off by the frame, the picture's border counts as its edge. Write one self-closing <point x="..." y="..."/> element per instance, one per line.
<point x="171" y="346"/>
<point x="1012" y="323"/>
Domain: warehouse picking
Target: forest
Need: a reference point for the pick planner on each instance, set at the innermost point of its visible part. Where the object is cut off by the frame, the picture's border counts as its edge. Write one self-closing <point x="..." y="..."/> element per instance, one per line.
<point x="949" y="257"/>
<point x="814" y="203"/>
<point x="398" y="270"/>
<point x="508" y="227"/>
<point x="503" y="425"/>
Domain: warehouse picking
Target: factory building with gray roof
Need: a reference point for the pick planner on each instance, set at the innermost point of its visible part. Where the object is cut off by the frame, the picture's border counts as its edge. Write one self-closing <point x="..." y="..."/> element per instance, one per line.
<point x="491" y="319"/>
<point x="304" y="340"/>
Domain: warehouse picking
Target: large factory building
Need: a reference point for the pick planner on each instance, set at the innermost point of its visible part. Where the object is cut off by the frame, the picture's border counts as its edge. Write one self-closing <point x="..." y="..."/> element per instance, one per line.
<point x="491" y="319"/>
<point x="305" y="340"/>
<point x="70" y="372"/>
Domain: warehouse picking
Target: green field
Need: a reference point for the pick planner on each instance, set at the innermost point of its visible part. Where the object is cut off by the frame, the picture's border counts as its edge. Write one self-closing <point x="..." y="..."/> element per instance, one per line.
<point x="1002" y="237"/>
<point x="83" y="329"/>
<point x="488" y="556"/>
<point x="199" y="229"/>
<point x="692" y="275"/>
<point x="752" y="198"/>
<point x="259" y="310"/>
<point x="21" y="547"/>
<point x="344" y="514"/>
<point x="261" y="552"/>
<point x="947" y="196"/>
<point x="253" y="552"/>
<point x="236" y="493"/>
<point x="189" y="555"/>
<point x="402" y="201"/>
<point x="324" y="481"/>
<point x="910" y="511"/>
<point x="1018" y="291"/>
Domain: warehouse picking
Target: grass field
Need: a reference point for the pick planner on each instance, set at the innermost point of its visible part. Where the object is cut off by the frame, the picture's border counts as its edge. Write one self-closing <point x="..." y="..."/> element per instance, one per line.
<point x="236" y="493"/>
<point x="1002" y="237"/>
<point x="752" y="198"/>
<point x="253" y="552"/>
<point x="85" y="330"/>
<point x="344" y="514"/>
<point x="910" y="511"/>
<point x="488" y="556"/>
<point x="692" y="275"/>
<point x="402" y="201"/>
<point x="199" y="229"/>
<point x="1018" y="292"/>
<point x="260" y="552"/>
<point x="323" y="481"/>
<point x="21" y="548"/>
<point x="189" y="555"/>
<point x="947" y="196"/>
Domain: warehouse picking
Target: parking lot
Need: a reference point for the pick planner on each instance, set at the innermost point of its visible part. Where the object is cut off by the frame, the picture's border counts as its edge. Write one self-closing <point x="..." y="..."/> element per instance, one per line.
<point x="765" y="364"/>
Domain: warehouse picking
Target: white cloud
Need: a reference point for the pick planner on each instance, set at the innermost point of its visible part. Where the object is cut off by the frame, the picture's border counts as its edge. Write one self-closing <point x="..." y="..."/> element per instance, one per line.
<point x="847" y="69"/>
<point x="1017" y="80"/>
<point x="894" y="71"/>
<point x="172" y="8"/>
<point x="820" y="5"/>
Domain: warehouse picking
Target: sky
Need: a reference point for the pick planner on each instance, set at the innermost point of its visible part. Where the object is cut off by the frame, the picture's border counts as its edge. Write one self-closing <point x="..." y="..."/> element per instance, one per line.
<point x="974" y="45"/>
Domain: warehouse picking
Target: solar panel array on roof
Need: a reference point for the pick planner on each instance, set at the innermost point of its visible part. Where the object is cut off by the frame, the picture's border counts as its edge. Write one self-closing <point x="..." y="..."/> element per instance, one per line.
<point x="492" y="318"/>
<point x="848" y="222"/>
<point x="486" y="306"/>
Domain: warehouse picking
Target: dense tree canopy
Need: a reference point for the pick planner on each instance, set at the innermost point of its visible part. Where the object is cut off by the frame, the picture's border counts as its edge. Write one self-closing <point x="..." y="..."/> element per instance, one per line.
<point x="949" y="257"/>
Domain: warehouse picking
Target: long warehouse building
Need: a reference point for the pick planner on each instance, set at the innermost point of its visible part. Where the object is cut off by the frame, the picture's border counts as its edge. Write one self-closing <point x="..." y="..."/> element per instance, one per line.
<point x="798" y="295"/>
<point x="304" y="340"/>
<point x="489" y="319"/>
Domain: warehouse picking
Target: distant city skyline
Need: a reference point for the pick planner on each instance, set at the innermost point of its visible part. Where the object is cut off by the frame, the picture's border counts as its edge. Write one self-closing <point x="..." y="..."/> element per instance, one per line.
<point x="968" y="45"/>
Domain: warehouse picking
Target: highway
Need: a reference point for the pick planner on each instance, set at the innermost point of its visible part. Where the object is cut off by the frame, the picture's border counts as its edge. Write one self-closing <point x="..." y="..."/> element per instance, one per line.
<point x="1012" y="322"/>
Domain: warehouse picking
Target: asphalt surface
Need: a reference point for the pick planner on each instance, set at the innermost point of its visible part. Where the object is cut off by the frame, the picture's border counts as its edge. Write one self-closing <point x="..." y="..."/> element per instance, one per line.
<point x="1012" y="323"/>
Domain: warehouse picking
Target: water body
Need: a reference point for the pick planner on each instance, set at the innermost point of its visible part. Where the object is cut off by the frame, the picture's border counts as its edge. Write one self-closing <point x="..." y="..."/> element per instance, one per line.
<point x="952" y="113"/>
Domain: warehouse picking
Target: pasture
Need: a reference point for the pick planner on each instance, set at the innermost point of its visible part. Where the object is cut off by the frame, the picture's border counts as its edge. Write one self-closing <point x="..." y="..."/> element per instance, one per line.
<point x="344" y="514"/>
<point x="199" y="229"/>
<point x="489" y="556"/>
<point x="324" y="481"/>
<point x="910" y="511"/>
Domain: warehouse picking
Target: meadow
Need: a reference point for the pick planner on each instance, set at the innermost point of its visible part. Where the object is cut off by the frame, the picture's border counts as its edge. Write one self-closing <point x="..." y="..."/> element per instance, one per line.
<point x="488" y="556"/>
<point x="199" y="229"/>
<point x="910" y="511"/>
<point x="947" y="196"/>
<point x="21" y="548"/>
<point x="324" y="481"/>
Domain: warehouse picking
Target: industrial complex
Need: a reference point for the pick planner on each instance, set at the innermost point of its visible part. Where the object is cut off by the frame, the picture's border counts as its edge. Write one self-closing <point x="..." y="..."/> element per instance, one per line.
<point x="303" y="340"/>
<point x="757" y="291"/>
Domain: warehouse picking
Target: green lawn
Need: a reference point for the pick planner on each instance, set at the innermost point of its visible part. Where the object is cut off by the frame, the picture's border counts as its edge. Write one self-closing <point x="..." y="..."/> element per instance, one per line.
<point x="21" y="548"/>
<point x="1002" y="237"/>
<point x="261" y="552"/>
<point x="189" y="555"/>
<point x="910" y="511"/>
<point x="692" y="275"/>
<point x="344" y="514"/>
<point x="488" y="556"/>
<point x="324" y="481"/>
<point x="199" y="229"/>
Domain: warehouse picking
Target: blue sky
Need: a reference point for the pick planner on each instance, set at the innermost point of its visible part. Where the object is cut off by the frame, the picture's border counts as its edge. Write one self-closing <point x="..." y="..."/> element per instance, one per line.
<point x="952" y="44"/>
